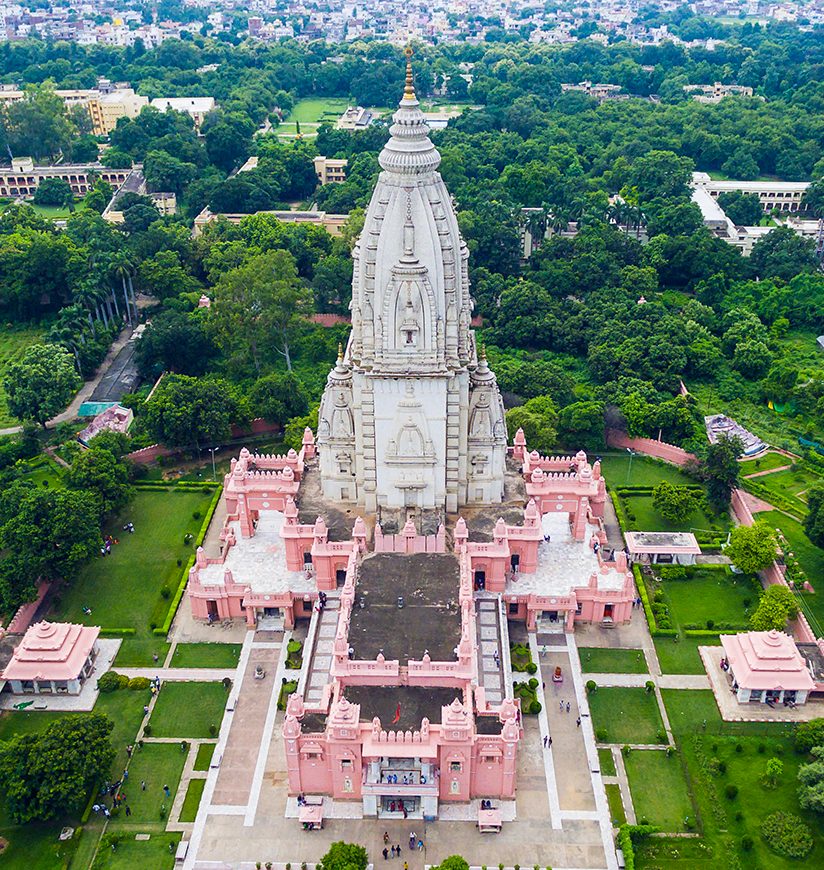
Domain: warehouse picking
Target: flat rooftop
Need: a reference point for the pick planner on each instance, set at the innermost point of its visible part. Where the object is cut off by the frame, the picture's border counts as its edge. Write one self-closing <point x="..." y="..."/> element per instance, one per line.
<point x="416" y="702"/>
<point x="430" y="618"/>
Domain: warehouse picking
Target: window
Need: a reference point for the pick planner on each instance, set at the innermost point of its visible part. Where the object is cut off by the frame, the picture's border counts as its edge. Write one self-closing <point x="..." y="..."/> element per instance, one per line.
<point x="346" y="764"/>
<point x="455" y="766"/>
<point x="513" y="606"/>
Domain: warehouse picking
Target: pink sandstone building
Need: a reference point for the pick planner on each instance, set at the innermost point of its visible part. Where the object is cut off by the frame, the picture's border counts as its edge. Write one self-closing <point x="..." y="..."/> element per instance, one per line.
<point x="410" y="534"/>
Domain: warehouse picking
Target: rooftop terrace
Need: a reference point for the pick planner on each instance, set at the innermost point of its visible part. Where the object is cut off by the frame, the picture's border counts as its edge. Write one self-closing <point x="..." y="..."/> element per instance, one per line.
<point x="415" y="703"/>
<point x="430" y="618"/>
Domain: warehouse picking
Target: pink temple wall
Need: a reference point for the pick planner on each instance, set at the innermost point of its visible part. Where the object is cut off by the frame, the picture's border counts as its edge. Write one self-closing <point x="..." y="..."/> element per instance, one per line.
<point x="650" y="447"/>
<point x="409" y="541"/>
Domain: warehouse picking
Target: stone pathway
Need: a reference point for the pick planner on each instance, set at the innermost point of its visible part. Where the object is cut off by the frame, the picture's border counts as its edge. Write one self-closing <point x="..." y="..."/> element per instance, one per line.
<point x="665" y="681"/>
<point x="623" y="784"/>
<point x="768" y="471"/>
<point x="180" y="675"/>
<point x="492" y="667"/>
<point x="318" y="651"/>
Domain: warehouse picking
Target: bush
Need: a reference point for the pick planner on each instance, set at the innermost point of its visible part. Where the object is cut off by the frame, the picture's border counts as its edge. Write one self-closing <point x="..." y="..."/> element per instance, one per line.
<point x="746" y="844"/>
<point x="109" y="682"/>
<point x="786" y="834"/>
<point x="165" y="593"/>
<point x="197" y="515"/>
<point x="213" y="729"/>
<point x="649" y="686"/>
<point x="601" y="735"/>
<point x="147" y="730"/>
<point x="731" y="791"/>
<point x="591" y="686"/>
<point x="808" y="734"/>
<point x="673" y="572"/>
<point x="532" y="668"/>
<point x="136" y="684"/>
<point x="535" y="707"/>
<point x="533" y="683"/>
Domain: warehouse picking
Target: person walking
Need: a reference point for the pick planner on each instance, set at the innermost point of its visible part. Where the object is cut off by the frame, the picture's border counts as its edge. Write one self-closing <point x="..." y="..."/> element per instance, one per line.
<point x="545" y="743"/>
<point x="561" y="706"/>
<point x="420" y="845"/>
<point x="398" y="850"/>
<point x="385" y="854"/>
<point x="143" y="785"/>
<point x="167" y="791"/>
<point x="578" y="722"/>
<point x="405" y="865"/>
<point x="549" y="743"/>
<point x="413" y="839"/>
<point x="567" y="706"/>
<point x="386" y="838"/>
<point x="128" y="810"/>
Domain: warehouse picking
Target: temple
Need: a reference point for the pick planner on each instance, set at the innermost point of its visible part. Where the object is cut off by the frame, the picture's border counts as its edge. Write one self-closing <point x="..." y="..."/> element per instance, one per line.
<point x="410" y="536"/>
<point x="410" y="417"/>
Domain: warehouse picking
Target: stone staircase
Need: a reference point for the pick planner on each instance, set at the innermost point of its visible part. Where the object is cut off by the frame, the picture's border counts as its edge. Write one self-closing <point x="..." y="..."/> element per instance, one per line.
<point x="320" y="640"/>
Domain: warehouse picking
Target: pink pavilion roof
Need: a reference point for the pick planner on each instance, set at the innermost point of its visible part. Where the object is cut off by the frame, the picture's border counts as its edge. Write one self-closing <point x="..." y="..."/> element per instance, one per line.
<point x="766" y="660"/>
<point x="52" y="651"/>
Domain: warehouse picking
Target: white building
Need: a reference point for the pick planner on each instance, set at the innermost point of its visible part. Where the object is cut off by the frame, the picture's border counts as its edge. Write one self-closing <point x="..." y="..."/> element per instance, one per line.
<point x="197" y="107"/>
<point x="410" y="417"/>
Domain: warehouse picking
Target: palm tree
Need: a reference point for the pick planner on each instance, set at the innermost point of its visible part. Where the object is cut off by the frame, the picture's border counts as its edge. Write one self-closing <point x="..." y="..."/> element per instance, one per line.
<point x="121" y="266"/>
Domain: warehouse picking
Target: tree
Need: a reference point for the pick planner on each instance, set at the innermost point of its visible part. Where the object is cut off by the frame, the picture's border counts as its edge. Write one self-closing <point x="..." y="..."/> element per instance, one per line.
<point x="99" y="472"/>
<point x="661" y="174"/>
<point x="49" y="775"/>
<point x="743" y="209"/>
<point x="720" y="470"/>
<point x="776" y="605"/>
<point x="674" y="503"/>
<point x="177" y="342"/>
<point x="751" y="548"/>
<point x="167" y="173"/>
<point x="752" y="359"/>
<point x="538" y="418"/>
<point x="185" y="411"/>
<point x="47" y="534"/>
<point x="806" y="735"/>
<point x="782" y="253"/>
<point x="53" y="191"/>
<point x="164" y="276"/>
<point x="344" y="856"/>
<point x="581" y="424"/>
<point x="257" y="301"/>
<point x="453" y="862"/>
<point x="40" y="384"/>
<point x="814" y="521"/>
<point x="773" y="772"/>
<point x="811" y="779"/>
<point x="279" y="397"/>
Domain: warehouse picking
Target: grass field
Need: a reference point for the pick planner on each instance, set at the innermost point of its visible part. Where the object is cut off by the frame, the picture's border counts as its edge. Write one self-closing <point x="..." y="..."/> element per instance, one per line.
<point x="764" y="463"/>
<point x="191" y="802"/>
<point x="600" y="660"/>
<point x="791" y="485"/>
<point x="13" y="341"/>
<point x="680" y="655"/>
<point x="123" y="590"/>
<point x="139" y="652"/>
<point x="659" y="791"/>
<point x="310" y="114"/>
<point x="206" y="655"/>
<point x="157" y="764"/>
<point x="152" y="854"/>
<point x="188" y="710"/>
<point x="710" y="595"/>
<point x="648" y="519"/>
<point x="616" y="805"/>
<point x="620" y="470"/>
<point x="607" y="762"/>
<point x="204" y="756"/>
<point x="625" y="715"/>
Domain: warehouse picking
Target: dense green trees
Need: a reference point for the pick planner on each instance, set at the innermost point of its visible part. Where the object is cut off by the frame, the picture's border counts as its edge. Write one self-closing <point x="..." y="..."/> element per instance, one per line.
<point x="776" y="605"/>
<point x="48" y="775"/>
<point x="674" y="503"/>
<point x="751" y="548"/>
<point x="814" y="521"/>
<point x="344" y="856"/>
<point x="41" y="383"/>
<point x="720" y="470"/>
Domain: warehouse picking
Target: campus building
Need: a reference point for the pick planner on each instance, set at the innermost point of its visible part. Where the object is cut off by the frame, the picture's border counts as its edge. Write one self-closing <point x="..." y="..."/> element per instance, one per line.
<point x="23" y="177"/>
<point x="197" y="107"/>
<point x="330" y="170"/>
<point x="405" y="701"/>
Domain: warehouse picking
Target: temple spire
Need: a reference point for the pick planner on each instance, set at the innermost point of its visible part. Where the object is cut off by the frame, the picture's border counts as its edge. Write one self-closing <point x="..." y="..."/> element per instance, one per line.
<point x="409" y="88"/>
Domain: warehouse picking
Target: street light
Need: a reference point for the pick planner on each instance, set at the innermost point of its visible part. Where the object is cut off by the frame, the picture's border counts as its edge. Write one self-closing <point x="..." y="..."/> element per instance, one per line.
<point x="629" y="467"/>
<point x="213" y="450"/>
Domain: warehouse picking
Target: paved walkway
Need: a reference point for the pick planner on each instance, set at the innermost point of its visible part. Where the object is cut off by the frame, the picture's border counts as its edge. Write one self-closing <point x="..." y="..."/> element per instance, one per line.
<point x="768" y="471"/>
<point x="665" y="681"/>
<point x="84" y="393"/>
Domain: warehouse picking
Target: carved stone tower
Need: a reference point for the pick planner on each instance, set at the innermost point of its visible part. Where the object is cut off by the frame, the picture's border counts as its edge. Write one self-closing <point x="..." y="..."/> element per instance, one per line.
<point x="410" y="417"/>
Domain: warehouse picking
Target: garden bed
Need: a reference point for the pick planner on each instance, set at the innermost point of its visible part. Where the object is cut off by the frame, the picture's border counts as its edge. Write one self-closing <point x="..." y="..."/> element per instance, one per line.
<point x="626" y="715"/>
<point x="188" y="710"/>
<point x="659" y="790"/>
<point x="521" y="658"/>
<point x="605" y="660"/>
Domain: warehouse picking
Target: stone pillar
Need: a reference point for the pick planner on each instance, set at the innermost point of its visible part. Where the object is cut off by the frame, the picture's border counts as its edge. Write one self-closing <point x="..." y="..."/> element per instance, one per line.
<point x="251" y="619"/>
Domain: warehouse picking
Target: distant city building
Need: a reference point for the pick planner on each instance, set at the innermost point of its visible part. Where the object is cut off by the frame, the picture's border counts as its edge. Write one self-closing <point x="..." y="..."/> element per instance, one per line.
<point x="23" y="178"/>
<point x="716" y="92"/>
<point x="599" y="91"/>
<point x="106" y="109"/>
<point x="355" y="118"/>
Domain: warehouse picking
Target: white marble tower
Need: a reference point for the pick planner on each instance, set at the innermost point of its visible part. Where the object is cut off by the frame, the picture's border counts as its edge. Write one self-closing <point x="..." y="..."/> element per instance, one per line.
<point x="410" y="417"/>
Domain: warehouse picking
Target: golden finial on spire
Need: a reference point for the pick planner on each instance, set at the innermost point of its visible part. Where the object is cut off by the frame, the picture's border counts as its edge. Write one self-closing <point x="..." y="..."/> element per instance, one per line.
<point x="483" y="352"/>
<point x="340" y="351"/>
<point x="409" y="88"/>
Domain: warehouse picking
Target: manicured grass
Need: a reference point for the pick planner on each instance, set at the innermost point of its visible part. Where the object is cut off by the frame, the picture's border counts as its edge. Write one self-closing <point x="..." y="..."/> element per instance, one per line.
<point x="607" y="762"/>
<point x="123" y="589"/>
<point x="689" y="710"/>
<point x="710" y="594"/>
<point x="157" y="764"/>
<point x="153" y="854"/>
<point x="191" y="802"/>
<point x="34" y="846"/>
<point x="643" y="471"/>
<point x="680" y="655"/>
<point x="648" y="519"/>
<point x="764" y="463"/>
<point x="659" y="790"/>
<point x="601" y="660"/>
<point x="791" y="485"/>
<point x="626" y="715"/>
<point x="13" y="341"/>
<point x="188" y="709"/>
<point x="310" y="114"/>
<point x="137" y="652"/>
<point x="44" y="471"/>
<point x="616" y="805"/>
<point x="204" y="756"/>
<point x="206" y="655"/>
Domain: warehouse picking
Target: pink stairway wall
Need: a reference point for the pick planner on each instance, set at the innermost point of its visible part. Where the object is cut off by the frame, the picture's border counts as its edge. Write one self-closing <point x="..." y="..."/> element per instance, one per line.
<point x="651" y="447"/>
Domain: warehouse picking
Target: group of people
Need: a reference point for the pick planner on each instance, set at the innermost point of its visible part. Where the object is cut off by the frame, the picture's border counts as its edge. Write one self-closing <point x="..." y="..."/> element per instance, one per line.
<point x="408" y="779"/>
<point x="108" y="543"/>
<point x="395" y="851"/>
<point x="321" y="601"/>
<point x="486" y="805"/>
<point x="725" y="664"/>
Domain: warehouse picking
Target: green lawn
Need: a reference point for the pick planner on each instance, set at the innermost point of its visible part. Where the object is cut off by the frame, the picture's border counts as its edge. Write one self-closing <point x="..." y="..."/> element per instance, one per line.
<point x="204" y="756"/>
<point x="680" y="655"/>
<point x="123" y="589"/>
<point x="152" y="854"/>
<point x="648" y="519"/>
<point x="791" y="485"/>
<point x="206" y="655"/>
<point x="764" y="463"/>
<point x="13" y="341"/>
<point x="191" y="802"/>
<point x="157" y="764"/>
<point x="619" y="470"/>
<point x="310" y="114"/>
<point x="601" y="660"/>
<point x="138" y="652"/>
<point x="188" y="710"/>
<point x="625" y="715"/>
<point x="616" y="805"/>
<point x="606" y="762"/>
<point x="659" y="790"/>
<point x="711" y="594"/>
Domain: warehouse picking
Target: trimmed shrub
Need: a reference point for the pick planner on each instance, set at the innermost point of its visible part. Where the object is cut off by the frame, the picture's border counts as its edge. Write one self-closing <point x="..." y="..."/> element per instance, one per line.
<point x="786" y="834"/>
<point x="591" y="686"/>
<point x="532" y="668"/>
<point x="649" y="686"/>
<point x="731" y="791"/>
<point x="109" y="682"/>
<point x="746" y="844"/>
<point x="535" y="707"/>
<point x="138" y="683"/>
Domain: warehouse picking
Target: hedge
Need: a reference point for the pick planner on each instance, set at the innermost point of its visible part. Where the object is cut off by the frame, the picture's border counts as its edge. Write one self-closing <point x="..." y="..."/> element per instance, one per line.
<point x="116" y="632"/>
<point x="628" y="836"/>
<point x="701" y="632"/>
<point x="653" y="625"/>
<point x="184" y="577"/>
<point x="175" y="484"/>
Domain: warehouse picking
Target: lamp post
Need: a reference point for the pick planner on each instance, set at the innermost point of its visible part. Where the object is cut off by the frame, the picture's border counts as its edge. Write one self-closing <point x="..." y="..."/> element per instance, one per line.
<point x="213" y="450"/>
<point x="629" y="467"/>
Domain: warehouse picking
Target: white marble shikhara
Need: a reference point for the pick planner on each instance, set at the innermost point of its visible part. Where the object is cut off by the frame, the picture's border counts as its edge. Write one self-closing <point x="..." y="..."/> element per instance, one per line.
<point x="410" y="416"/>
<point x="259" y="561"/>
